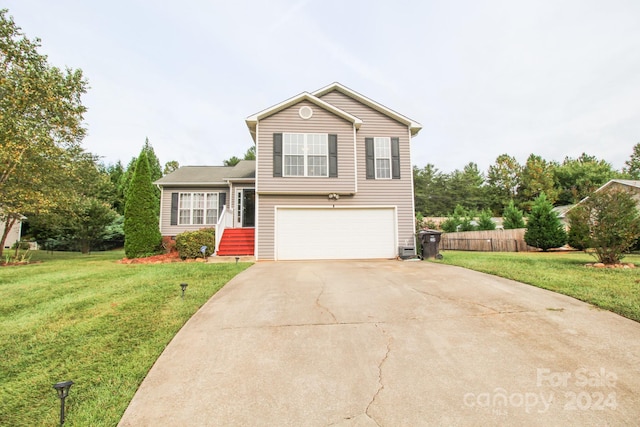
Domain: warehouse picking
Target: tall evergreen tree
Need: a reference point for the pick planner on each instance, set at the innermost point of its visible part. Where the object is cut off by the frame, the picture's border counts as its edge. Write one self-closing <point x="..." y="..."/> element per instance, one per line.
<point x="155" y="172"/>
<point x="544" y="228"/>
<point x="141" y="228"/>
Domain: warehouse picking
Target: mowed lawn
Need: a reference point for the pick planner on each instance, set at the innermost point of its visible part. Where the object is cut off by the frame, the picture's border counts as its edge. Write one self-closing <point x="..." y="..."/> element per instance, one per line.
<point x="92" y="320"/>
<point x="617" y="290"/>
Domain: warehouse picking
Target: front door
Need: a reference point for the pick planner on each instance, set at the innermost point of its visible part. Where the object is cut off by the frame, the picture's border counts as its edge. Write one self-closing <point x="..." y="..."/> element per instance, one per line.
<point x="246" y="207"/>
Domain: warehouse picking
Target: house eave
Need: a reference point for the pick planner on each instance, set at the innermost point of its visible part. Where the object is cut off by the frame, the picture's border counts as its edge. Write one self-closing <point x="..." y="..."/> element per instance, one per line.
<point x="192" y="184"/>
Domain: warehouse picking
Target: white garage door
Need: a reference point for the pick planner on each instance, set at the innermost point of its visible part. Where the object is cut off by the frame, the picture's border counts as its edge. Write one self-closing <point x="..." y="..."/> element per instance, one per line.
<point x="335" y="233"/>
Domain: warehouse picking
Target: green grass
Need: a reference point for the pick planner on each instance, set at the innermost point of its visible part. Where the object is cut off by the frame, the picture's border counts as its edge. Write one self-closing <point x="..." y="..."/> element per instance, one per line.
<point x="617" y="290"/>
<point x="89" y="319"/>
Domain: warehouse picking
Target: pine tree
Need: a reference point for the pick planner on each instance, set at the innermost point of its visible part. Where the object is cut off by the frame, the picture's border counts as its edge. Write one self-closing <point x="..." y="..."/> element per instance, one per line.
<point x="484" y="221"/>
<point x="512" y="217"/>
<point x="544" y="228"/>
<point x="141" y="228"/>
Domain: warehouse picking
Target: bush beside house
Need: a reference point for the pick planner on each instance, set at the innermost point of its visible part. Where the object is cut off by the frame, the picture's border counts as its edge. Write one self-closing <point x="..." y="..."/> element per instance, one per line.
<point x="190" y="244"/>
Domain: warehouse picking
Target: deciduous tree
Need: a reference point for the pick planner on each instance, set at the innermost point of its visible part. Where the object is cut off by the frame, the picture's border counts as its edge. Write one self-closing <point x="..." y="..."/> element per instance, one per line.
<point x="577" y="178"/>
<point x="40" y="120"/>
<point x="608" y="221"/>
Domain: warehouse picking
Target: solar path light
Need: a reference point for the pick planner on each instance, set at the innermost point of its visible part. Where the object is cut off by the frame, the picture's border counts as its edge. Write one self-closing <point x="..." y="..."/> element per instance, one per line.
<point x="63" y="391"/>
<point x="183" y="286"/>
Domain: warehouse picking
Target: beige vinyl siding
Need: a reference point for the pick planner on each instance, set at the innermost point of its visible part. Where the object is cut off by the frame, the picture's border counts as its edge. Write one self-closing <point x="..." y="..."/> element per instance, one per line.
<point x="396" y="193"/>
<point x="166" y="229"/>
<point x="288" y="121"/>
<point x="268" y="204"/>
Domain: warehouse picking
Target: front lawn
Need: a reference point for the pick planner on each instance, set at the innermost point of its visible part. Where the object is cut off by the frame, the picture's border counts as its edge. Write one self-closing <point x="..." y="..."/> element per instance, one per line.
<point x="617" y="290"/>
<point x="92" y="320"/>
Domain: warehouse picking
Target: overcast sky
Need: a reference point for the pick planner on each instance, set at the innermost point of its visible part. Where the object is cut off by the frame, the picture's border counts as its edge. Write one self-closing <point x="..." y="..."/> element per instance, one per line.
<point x="550" y="77"/>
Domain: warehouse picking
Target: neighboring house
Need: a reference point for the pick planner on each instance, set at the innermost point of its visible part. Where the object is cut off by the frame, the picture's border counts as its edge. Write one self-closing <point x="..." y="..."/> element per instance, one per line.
<point x="333" y="180"/>
<point x="632" y="186"/>
<point x="14" y="234"/>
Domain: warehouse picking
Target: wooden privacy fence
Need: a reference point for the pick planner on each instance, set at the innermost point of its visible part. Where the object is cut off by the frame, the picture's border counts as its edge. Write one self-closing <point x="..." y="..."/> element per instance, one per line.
<point x="486" y="241"/>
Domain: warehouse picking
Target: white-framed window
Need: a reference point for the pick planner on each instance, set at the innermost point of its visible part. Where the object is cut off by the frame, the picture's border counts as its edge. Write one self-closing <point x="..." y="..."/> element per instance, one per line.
<point x="382" y="156"/>
<point x="305" y="154"/>
<point x="198" y="209"/>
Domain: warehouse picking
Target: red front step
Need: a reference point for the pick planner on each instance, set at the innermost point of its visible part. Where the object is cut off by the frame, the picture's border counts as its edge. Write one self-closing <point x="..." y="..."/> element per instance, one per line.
<point x="237" y="241"/>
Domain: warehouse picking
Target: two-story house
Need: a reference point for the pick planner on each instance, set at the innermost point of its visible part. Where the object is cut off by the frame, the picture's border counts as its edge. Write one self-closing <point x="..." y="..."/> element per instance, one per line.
<point x="332" y="180"/>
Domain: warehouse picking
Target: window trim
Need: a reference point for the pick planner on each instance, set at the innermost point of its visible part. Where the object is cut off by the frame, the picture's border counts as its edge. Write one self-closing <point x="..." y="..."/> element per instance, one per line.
<point x="305" y="155"/>
<point x="185" y="220"/>
<point x="377" y="170"/>
<point x="371" y="171"/>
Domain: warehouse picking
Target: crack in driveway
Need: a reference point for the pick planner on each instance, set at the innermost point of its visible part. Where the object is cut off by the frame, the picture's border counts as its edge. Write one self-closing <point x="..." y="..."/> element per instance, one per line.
<point x="380" y="383"/>
<point x="324" y="308"/>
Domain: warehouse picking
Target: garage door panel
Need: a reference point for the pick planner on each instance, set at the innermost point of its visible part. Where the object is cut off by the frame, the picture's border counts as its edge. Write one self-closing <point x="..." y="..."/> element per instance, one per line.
<point x="316" y="233"/>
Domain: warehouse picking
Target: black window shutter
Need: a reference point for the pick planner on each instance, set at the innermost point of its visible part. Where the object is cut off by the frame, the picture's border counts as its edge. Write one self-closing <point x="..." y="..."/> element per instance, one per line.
<point x="395" y="158"/>
<point x="333" y="156"/>
<point x="174" y="208"/>
<point x="277" y="154"/>
<point x="370" y="160"/>
<point x="222" y="200"/>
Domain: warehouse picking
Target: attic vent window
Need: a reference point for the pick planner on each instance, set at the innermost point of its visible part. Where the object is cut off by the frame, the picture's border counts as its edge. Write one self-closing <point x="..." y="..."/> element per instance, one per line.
<point x="305" y="112"/>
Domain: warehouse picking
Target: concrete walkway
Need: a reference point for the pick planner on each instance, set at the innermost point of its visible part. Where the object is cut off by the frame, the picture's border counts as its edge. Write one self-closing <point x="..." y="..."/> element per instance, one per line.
<point x="390" y="343"/>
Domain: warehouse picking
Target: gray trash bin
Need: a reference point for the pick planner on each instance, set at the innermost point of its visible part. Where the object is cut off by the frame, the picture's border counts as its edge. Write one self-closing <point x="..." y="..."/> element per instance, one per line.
<point x="430" y="240"/>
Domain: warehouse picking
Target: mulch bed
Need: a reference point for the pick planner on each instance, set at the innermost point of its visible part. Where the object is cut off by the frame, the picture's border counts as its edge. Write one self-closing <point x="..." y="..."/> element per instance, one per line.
<point x="160" y="259"/>
<point x="155" y="259"/>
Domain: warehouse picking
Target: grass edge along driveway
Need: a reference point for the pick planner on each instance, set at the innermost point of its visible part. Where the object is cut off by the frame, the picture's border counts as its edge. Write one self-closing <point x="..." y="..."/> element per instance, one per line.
<point x="90" y="319"/>
<point x="616" y="290"/>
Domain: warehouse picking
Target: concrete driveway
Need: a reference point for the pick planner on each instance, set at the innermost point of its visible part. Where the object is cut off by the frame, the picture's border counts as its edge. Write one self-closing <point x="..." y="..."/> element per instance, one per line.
<point x="390" y="343"/>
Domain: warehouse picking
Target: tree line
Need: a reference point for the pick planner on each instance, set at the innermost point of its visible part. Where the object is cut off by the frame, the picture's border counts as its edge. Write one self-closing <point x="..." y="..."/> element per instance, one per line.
<point x="564" y="183"/>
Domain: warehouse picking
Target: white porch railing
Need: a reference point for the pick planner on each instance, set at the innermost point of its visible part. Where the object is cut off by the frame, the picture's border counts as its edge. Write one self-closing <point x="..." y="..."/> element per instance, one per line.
<point x="225" y="220"/>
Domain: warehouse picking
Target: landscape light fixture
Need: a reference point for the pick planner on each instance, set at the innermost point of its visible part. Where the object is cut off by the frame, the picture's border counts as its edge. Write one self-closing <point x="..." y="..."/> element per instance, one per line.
<point x="183" y="286"/>
<point x="63" y="391"/>
<point x="237" y="259"/>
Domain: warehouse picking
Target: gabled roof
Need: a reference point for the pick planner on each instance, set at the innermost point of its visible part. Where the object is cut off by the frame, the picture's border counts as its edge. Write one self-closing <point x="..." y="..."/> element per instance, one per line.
<point x="413" y="125"/>
<point x="209" y="175"/>
<point x="629" y="182"/>
<point x="252" y="120"/>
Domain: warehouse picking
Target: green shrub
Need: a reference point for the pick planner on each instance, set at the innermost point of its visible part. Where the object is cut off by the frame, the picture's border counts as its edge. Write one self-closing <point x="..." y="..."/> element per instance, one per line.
<point x="24" y="245"/>
<point x="189" y="244"/>
<point x="544" y="228"/>
<point x="512" y="217"/>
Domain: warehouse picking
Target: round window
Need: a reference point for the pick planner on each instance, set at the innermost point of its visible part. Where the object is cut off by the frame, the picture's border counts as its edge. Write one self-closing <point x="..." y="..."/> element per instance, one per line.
<point x="305" y="112"/>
